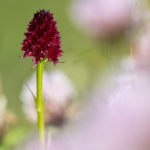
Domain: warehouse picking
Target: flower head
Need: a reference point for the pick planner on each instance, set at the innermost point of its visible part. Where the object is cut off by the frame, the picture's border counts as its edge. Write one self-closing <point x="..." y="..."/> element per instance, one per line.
<point x="42" y="38"/>
<point x="58" y="91"/>
<point x="103" y="19"/>
<point x="7" y="118"/>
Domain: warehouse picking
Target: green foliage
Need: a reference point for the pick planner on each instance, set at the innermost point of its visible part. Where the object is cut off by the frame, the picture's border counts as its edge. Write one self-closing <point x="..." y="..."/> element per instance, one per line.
<point x="13" y="137"/>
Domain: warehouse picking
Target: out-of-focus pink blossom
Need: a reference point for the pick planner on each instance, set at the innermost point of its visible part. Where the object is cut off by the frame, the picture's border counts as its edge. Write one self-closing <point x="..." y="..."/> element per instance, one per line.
<point x="117" y="118"/>
<point x="58" y="91"/>
<point x="103" y="18"/>
<point x="7" y="117"/>
<point x="141" y="48"/>
<point x="3" y="103"/>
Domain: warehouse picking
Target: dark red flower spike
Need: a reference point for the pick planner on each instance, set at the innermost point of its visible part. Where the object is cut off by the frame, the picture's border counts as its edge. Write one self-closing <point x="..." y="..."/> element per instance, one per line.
<point x="42" y="38"/>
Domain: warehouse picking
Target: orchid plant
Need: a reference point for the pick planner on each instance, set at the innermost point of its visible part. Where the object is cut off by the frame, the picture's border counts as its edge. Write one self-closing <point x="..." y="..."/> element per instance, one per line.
<point x="42" y="42"/>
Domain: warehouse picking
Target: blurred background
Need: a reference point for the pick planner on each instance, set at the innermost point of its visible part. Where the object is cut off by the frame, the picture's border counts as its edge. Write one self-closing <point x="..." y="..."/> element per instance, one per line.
<point x="86" y="57"/>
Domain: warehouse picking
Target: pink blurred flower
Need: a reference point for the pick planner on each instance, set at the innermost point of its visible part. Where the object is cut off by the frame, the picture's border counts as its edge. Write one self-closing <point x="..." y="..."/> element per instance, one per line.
<point x="59" y="92"/>
<point x="117" y="117"/>
<point x="103" y="18"/>
<point x="7" y="118"/>
<point x="141" y="47"/>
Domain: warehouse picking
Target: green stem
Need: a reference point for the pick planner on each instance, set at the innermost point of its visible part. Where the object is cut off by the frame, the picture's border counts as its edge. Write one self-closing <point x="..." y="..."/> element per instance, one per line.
<point x="39" y="101"/>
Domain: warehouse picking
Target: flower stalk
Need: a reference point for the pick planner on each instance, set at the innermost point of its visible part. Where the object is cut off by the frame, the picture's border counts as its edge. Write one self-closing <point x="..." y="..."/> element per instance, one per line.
<point x="39" y="101"/>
